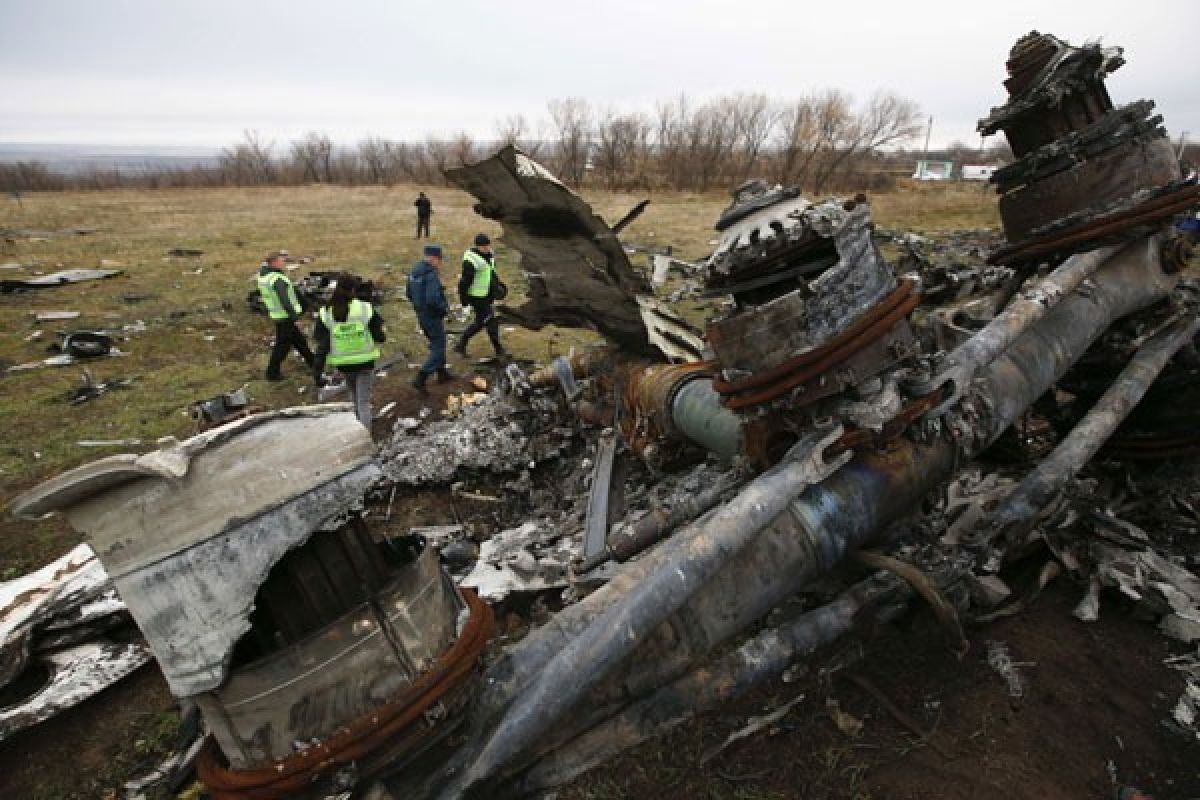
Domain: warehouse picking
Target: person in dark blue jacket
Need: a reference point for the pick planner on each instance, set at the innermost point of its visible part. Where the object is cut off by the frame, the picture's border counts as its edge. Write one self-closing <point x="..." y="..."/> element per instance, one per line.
<point x="428" y="298"/>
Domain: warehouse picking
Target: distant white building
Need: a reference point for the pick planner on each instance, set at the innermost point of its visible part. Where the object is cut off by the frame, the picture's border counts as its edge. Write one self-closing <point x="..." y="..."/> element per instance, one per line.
<point x="933" y="170"/>
<point x="978" y="173"/>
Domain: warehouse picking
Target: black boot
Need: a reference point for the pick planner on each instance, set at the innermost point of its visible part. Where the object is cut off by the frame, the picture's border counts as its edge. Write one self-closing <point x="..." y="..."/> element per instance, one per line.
<point x="444" y="375"/>
<point x="419" y="382"/>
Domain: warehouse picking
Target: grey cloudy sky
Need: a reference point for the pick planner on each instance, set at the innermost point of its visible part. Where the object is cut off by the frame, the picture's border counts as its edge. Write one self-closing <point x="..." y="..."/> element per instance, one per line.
<point x="198" y="72"/>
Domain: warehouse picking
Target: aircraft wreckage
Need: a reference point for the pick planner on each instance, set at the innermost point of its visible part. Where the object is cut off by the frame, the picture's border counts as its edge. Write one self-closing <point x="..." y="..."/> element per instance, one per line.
<point x="720" y="472"/>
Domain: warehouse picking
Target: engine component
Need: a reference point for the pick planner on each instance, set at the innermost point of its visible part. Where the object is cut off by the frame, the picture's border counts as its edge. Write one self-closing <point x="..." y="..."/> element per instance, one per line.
<point x="1086" y="172"/>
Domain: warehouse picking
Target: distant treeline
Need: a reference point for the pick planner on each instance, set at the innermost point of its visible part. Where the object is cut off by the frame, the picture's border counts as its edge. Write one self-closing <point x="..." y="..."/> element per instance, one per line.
<point x="821" y="142"/>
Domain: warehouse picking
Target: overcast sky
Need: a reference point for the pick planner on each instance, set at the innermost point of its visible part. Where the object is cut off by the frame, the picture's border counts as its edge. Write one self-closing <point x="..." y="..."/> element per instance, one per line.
<point x="198" y="72"/>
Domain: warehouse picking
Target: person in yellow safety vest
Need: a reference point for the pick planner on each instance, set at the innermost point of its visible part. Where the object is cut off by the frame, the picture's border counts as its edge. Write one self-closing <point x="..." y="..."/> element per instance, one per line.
<point x="347" y="333"/>
<point x="477" y="289"/>
<point x="283" y="306"/>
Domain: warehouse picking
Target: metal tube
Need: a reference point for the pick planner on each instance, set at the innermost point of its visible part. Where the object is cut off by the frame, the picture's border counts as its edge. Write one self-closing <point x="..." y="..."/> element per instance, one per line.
<point x="552" y="669"/>
<point x="697" y="413"/>
<point x="1031" y="305"/>
<point x="629" y="540"/>
<point x="585" y="660"/>
<point x="1017" y="515"/>
<point x="1043" y="354"/>
<point x="760" y="658"/>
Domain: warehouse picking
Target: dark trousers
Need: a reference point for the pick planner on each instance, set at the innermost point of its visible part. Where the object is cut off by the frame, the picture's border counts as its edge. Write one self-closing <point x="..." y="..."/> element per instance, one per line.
<point x="287" y="337"/>
<point x="422" y="226"/>
<point x="434" y="328"/>
<point x="485" y="318"/>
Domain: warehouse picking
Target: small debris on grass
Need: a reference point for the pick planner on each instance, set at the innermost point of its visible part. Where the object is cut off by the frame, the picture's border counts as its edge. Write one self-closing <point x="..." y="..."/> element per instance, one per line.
<point x="753" y="726"/>
<point x="999" y="659"/>
<point x="846" y="722"/>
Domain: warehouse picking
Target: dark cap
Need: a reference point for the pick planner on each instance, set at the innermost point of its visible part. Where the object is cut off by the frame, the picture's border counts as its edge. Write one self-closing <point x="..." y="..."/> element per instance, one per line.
<point x="274" y="254"/>
<point x="482" y="239"/>
<point x="433" y="250"/>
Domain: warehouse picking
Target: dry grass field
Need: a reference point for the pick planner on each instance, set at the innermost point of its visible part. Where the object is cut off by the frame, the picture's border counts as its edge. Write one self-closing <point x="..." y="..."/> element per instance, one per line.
<point x="197" y="337"/>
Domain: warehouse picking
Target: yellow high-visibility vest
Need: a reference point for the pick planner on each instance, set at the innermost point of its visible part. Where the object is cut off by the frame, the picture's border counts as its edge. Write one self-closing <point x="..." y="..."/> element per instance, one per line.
<point x="482" y="285"/>
<point x="350" y="342"/>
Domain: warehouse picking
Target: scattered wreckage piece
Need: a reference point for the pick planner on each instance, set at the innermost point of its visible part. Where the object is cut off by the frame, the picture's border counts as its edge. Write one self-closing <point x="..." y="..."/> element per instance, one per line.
<point x="30" y="233"/>
<point x="170" y="775"/>
<point x="76" y="580"/>
<point x="74" y="675"/>
<point x="222" y="409"/>
<point x="54" y="316"/>
<point x="241" y="557"/>
<point x="90" y="389"/>
<point x="1186" y="714"/>
<point x="532" y="557"/>
<point x="55" y="621"/>
<point x="55" y="279"/>
<point x="1085" y="171"/>
<point x="578" y="273"/>
<point x="495" y="434"/>
<point x="60" y="360"/>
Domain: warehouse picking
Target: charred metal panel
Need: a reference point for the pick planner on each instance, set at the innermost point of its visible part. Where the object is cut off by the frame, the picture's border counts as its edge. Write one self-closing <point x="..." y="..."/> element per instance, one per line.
<point x="578" y="273"/>
<point x="761" y="336"/>
<point x="74" y="675"/>
<point x="188" y="548"/>
<point x="359" y="661"/>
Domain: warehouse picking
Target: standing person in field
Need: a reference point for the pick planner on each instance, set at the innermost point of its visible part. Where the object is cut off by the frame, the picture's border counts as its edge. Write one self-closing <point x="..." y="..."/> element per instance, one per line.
<point x="424" y="212"/>
<point x="283" y="306"/>
<point x="347" y="333"/>
<point x="477" y="289"/>
<point x="428" y="297"/>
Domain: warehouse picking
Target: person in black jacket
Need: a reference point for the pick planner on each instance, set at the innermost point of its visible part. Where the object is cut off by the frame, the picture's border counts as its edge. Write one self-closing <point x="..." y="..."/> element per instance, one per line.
<point x="284" y="306"/>
<point x="477" y="289"/>
<point x="355" y="353"/>
<point x="424" y="212"/>
<point x="428" y="298"/>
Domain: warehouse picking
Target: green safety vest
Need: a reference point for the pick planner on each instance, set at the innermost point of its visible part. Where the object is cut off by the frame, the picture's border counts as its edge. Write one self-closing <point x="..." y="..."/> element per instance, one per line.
<point x="350" y="342"/>
<point x="482" y="285"/>
<point x="266" y="288"/>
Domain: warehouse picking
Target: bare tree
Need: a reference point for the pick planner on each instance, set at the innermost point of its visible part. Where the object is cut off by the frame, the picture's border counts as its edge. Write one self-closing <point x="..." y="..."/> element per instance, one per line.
<point x="753" y="117"/>
<point x="248" y="163"/>
<point x="572" y="118"/>
<point x="312" y="158"/>
<point x="621" y="148"/>
<point x="671" y="124"/>
<point x="462" y="150"/>
<point x="516" y="130"/>
<point x="888" y="119"/>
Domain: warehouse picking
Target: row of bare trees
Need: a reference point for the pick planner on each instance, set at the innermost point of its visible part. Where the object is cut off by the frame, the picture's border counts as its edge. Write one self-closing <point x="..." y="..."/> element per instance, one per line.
<point x="821" y="142"/>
